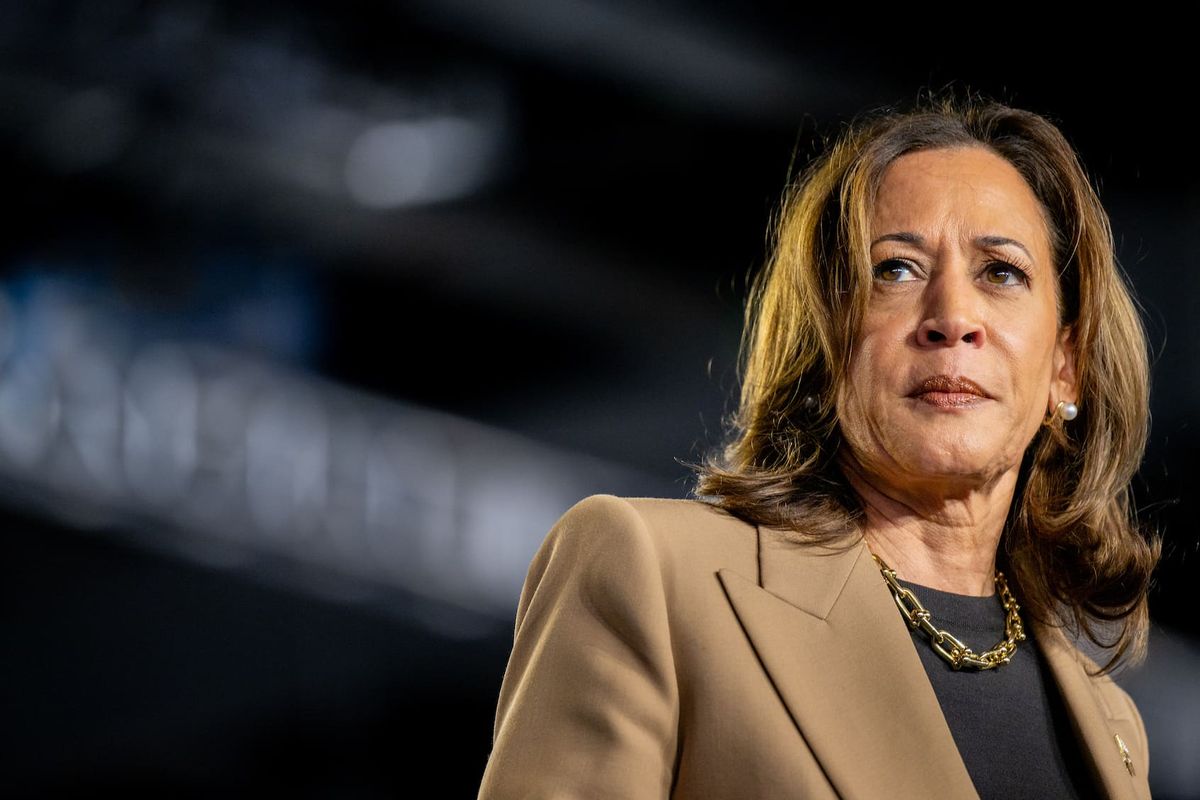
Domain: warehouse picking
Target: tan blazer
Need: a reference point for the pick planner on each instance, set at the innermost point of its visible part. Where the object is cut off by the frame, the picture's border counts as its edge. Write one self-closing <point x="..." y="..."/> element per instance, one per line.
<point x="664" y="648"/>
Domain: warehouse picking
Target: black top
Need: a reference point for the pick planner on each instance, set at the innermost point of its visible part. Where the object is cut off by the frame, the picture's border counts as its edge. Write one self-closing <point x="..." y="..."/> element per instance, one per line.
<point x="1010" y="724"/>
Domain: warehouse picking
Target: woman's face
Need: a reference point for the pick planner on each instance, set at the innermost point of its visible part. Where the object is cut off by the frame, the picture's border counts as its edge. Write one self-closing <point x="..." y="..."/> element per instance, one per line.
<point x="960" y="355"/>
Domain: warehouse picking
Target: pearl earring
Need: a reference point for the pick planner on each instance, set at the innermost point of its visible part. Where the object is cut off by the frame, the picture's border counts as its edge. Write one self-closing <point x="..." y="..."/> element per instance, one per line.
<point x="1069" y="410"/>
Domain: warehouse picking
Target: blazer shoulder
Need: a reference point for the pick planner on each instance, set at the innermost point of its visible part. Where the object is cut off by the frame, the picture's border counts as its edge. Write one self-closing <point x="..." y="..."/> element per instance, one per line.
<point x="665" y="519"/>
<point x="690" y="535"/>
<point x="608" y="549"/>
<point x="658" y="507"/>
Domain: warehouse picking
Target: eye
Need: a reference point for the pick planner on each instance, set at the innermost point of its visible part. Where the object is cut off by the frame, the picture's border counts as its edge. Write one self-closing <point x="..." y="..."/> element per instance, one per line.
<point x="1001" y="273"/>
<point x="893" y="270"/>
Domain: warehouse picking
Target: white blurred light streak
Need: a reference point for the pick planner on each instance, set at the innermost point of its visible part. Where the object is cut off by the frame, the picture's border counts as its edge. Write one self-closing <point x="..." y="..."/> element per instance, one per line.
<point x="286" y="459"/>
<point x="29" y="410"/>
<point x="159" y="425"/>
<point x="177" y="436"/>
<point x="92" y="398"/>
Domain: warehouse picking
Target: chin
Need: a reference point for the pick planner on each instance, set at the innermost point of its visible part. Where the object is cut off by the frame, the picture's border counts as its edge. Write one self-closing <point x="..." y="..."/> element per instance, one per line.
<point x="950" y="465"/>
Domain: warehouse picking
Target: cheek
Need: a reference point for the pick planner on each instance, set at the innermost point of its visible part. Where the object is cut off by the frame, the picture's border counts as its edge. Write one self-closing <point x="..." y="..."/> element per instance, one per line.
<point x="876" y="356"/>
<point x="1030" y="361"/>
<point x="872" y="372"/>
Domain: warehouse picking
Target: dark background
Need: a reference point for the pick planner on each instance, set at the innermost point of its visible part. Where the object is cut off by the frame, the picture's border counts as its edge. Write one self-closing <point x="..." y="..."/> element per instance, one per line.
<point x="314" y="317"/>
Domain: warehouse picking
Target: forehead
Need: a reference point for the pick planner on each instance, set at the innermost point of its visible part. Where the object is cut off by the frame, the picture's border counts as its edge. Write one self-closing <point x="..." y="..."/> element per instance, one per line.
<point x="969" y="191"/>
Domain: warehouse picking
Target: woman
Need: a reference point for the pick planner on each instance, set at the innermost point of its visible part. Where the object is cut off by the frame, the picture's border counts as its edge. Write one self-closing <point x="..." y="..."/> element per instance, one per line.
<point x="944" y="397"/>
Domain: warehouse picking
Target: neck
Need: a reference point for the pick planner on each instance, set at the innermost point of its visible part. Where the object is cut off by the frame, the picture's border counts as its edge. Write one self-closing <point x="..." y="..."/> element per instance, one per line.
<point x="947" y="541"/>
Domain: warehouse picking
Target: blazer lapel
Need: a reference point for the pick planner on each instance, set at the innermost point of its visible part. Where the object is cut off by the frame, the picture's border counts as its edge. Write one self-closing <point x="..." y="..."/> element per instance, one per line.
<point x="1091" y="721"/>
<point x="832" y="641"/>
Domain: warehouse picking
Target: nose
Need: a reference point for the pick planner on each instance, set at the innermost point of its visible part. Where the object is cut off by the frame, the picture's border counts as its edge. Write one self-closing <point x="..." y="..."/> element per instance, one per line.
<point x="950" y="313"/>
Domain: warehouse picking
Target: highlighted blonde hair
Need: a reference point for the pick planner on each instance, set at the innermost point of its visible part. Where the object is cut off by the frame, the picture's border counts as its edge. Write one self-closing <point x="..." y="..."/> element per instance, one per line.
<point x="1072" y="544"/>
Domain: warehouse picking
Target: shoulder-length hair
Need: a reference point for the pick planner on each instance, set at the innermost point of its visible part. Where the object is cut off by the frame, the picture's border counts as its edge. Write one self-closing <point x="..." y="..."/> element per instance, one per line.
<point x="1071" y="541"/>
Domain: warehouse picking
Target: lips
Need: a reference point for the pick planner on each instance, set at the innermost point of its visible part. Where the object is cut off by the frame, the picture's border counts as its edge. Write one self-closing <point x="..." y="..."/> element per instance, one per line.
<point x="945" y="390"/>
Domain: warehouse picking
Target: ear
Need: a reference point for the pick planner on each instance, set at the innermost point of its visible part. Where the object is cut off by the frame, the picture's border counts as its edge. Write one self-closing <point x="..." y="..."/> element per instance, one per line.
<point x="1063" y="382"/>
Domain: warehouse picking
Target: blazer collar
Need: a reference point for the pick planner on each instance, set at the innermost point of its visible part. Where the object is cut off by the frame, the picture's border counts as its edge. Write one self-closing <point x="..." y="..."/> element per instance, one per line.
<point x="1091" y="718"/>
<point x="833" y="643"/>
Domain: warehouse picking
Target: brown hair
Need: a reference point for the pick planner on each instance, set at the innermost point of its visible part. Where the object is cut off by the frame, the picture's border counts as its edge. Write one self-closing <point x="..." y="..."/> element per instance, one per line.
<point x="1071" y="541"/>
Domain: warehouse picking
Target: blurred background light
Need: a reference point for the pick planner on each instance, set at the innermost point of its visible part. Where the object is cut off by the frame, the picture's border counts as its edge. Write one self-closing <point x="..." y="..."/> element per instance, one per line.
<point x="421" y="161"/>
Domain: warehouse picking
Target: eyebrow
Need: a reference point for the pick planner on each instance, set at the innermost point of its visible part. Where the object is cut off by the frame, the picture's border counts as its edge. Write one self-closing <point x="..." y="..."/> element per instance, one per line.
<point x="983" y="241"/>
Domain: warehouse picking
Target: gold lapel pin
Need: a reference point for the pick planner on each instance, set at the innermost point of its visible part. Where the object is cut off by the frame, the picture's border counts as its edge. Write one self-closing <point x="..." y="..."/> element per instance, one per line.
<point x="1124" y="752"/>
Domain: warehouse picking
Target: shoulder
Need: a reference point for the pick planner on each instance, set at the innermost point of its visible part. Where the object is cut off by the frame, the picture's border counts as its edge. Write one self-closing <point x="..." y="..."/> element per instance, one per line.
<point x="609" y="540"/>
<point x="670" y="528"/>
<point x="661" y="514"/>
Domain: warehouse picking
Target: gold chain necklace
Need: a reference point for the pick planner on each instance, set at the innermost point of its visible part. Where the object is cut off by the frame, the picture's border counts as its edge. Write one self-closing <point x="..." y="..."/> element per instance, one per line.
<point x="946" y="644"/>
